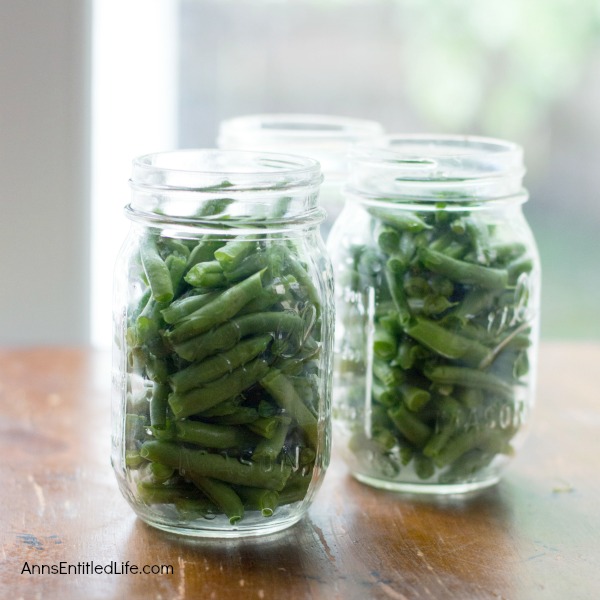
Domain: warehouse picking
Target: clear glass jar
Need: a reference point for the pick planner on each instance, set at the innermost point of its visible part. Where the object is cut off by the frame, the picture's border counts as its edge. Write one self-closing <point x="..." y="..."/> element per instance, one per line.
<point x="437" y="302"/>
<point x="325" y="138"/>
<point x="223" y="343"/>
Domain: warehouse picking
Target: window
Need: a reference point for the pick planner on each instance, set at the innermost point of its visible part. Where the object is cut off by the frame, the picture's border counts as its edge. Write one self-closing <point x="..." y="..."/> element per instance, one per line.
<point x="529" y="72"/>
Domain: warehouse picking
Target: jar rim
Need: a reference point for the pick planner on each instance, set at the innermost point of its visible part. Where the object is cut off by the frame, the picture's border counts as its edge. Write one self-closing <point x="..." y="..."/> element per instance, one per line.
<point x="210" y="170"/>
<point x="296" y="127"/>
<point x="440" y="157"/>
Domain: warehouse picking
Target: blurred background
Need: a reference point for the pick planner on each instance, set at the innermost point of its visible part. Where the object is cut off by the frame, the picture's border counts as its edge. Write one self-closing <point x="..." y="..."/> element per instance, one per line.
<point x="86" y="85"/>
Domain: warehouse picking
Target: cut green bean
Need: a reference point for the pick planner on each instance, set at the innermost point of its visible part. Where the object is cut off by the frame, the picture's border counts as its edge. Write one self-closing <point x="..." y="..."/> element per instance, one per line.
<point x="222" y="496"/>
<point x="464" y="272"/>
<point x="470" y="378"/>
<point x="445" y="343"/>
<point x="159" y="405"/>
<point x="283" y="325"/>
<point x="410" y="426"/>
<point x="205" y="397"/>
<point x="156" y="270"/>
<point x="283" y="392"/>
<point x="206" y="275"/>
<point x="184" y="307"/>
<point x="233" y="253"/>
<point x="269" y="448"/>
<point x="216" y="366"/>
<point x="197" y="463"/>
<point x="210" y="435"/>
<point x="219" y="310"/>
<point x="264" y="500"/>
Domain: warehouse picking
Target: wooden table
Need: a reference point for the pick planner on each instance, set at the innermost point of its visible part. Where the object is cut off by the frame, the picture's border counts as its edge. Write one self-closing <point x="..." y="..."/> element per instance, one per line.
<point x="535" y="535"/>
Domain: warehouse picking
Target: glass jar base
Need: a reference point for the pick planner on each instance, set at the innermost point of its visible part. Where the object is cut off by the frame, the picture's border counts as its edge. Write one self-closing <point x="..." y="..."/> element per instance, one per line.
<point x="215" y="533"/>
<point x="439" y="489"/>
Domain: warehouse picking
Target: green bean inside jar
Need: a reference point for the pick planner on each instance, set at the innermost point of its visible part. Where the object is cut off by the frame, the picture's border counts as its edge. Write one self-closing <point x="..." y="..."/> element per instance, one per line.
<point x="437" y="296"/>
<point x="223" y="333"/>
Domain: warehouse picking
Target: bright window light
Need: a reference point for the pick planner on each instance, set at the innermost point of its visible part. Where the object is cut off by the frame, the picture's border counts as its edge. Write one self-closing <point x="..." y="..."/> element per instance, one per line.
<point x="134" y="99"/>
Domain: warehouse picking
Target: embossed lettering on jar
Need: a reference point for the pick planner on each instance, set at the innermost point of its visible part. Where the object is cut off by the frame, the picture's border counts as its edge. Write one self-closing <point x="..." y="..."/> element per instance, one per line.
<point x="223" y="332"/>
<point x="437" y="293"/>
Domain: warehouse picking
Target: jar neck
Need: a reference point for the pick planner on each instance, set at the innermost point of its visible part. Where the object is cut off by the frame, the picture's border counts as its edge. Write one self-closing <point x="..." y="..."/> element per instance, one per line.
<point x="225" y="189"/>
<point x="437" y="169"/>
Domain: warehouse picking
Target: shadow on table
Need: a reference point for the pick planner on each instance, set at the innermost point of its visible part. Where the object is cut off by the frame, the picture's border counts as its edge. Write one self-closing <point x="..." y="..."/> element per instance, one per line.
<point x="356" y="543"/>
<point x="294" y="562"/>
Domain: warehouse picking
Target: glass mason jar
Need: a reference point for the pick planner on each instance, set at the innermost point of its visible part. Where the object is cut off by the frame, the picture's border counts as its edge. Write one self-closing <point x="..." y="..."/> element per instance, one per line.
<point x="437" y="298"/>
<point x="223" y="332"/>
<point x="325" y="138"/>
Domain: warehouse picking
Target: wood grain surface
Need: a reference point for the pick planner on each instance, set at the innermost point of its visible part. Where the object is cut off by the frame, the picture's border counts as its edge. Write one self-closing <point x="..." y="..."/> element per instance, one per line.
<point x="535" y="535"/>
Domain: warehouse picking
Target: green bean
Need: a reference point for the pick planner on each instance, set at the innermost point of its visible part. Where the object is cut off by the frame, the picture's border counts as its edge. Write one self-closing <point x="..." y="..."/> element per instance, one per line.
<point x="488" y="440"/>
<point x="244" y="415"/>
<point x="269" y="448"/>
<point x="281" y="207"/>
<point x="159" y="404"/>
<point x="387" y="396"/>
<point x="384" y="344"/>
<point x="203" y="252"/>
<point x="197" y="463"/>
<point x="176" y="265"/>
<point x="441" y="285"/>
<point x="202" y="398"/>
<point x="227" y="407"/>
<point x="388" y="238"/>
<point x="135" y="426"/>
<point x="466" y="466"/>
<point x="184" y="307"/>
<point x="434" y="305"/>
<point x="304" y="279"/>
<point x="233" y="253"/>
<point x="206" y="275"/>
<point x="402" y="220"/>
<point x="264" y="500"/>
<point x="141" y="304"/>
<point x="283" y="325"/>
<point x="218" y="365"/>
<point x="480" y="240"/>
<point x="386" y="374"/>
<point x="283" y="392"/>
<point x="219" y="310"/>
<point x="214" y="206"/>
<point x="416" y="287"/>
<point x="474" y="301"/>
<point x="451" y="416"/>
<point x="156" y="367"/>
<point x="397" y="292"/>
<point x="410" y="426"/>
<point x="424" y="467"/>
<point x="222" y="496"/>
<point x="523" y="264"/>
<point x="296" y="489"/>
<point x="415" y="398"/>
<point x="472" y="378"/>
<point x="464" y="272"/>
<point x="210" y="435"/>
<point x="160" y="473"/>
<point x="445" y="343"/>
<point x="156" y="270"/>
<point x="265" y="426"/>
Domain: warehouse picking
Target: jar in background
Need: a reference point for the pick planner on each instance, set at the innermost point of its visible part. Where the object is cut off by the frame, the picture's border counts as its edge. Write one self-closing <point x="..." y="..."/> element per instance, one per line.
<point x="324" y="138"/>
<point x="437" y="299"/>
<point x="223" y="331"/>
